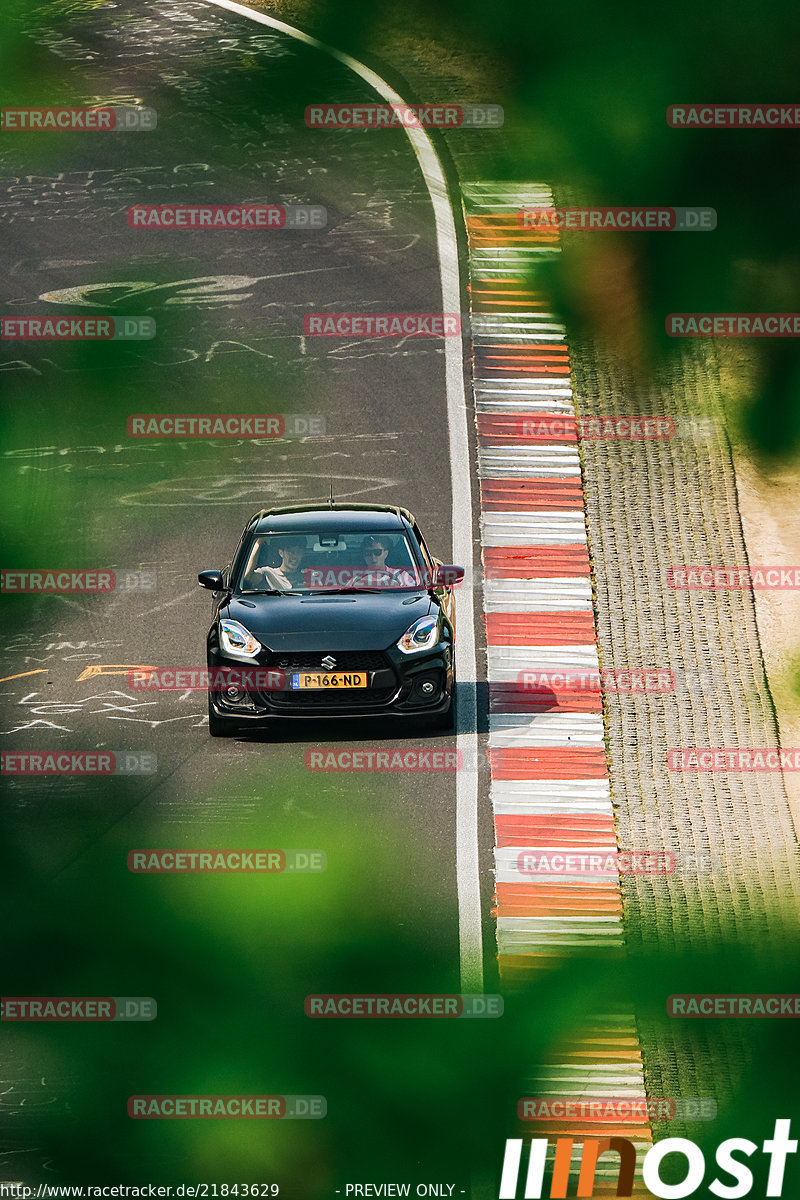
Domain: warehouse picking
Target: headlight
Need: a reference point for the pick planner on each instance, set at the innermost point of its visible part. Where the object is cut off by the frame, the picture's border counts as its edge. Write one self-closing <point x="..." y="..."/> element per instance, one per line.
<point x="423" y="635"/>
<point x="237" y="640"/>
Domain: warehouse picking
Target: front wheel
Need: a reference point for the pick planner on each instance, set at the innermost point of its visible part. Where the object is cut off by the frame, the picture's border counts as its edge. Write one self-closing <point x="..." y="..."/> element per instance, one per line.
<point x="220" y="726"/>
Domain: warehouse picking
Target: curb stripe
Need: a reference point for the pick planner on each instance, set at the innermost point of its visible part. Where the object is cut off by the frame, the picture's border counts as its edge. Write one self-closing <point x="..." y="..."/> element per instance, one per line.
<point x="513" y="697"/>
<point x="549" y="781"/>
<point x="539" y="629"/>
<point x="553" y="594"/>
<point x="548" y="763"/>
<point x="523" y="563"/>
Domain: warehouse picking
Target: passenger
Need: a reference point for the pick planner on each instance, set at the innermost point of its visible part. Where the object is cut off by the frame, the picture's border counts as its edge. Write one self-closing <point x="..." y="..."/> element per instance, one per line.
<point x="290" y="574"/>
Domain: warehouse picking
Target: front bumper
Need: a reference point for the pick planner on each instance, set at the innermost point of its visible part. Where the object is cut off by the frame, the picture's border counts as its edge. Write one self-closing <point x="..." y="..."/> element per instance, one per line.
<point x="398" y="685"/>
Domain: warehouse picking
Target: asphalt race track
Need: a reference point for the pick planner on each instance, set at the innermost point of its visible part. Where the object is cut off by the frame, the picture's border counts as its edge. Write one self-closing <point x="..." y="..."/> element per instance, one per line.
<point x="229" y="310"/>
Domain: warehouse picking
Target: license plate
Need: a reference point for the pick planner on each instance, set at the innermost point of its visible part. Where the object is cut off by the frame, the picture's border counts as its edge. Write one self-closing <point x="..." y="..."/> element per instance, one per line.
<point x="339" y="680"/>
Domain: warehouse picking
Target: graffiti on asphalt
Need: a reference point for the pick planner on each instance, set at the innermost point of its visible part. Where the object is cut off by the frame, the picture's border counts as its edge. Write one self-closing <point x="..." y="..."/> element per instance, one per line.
<point x="112" y="704"/>
<point x="206" y="290"/>
<point x="48" y="652"/>
<point x="188" y="490"/>
<point x="112" y="669"/>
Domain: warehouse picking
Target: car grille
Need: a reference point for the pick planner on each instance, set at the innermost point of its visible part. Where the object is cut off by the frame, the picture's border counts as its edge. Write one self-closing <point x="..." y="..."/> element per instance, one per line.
<point x="346" y="660"/>
<point x="357" y="698"/>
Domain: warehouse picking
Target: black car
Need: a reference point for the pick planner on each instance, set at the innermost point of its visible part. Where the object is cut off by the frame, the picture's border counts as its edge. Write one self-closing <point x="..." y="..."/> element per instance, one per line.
<point x="331" y="612"/>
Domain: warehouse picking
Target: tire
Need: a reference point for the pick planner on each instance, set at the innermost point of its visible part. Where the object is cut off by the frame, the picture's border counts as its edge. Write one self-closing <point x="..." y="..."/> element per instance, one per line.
<point x="220" y="726"/>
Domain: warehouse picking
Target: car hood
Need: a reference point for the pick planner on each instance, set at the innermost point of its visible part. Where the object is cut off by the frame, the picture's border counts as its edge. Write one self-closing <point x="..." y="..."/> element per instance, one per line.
<point x="371" y="621"/>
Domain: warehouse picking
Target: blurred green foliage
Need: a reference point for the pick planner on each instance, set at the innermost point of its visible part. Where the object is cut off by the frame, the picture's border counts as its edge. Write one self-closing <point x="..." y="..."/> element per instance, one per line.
<point x="230" y="960"/>
<point x="585" y="91"/>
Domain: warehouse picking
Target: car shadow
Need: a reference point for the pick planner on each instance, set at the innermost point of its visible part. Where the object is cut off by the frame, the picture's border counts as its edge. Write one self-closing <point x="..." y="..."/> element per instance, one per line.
<point x="474" y="701"/>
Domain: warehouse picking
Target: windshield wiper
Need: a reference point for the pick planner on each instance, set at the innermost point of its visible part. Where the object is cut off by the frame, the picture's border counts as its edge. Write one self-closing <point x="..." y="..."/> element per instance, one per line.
<point x="354" y="591"/>
<point x="269" y="592"/>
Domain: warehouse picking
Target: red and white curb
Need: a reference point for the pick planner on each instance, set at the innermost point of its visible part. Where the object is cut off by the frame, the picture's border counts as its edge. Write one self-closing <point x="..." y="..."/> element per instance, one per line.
<point x="549" y="782"/>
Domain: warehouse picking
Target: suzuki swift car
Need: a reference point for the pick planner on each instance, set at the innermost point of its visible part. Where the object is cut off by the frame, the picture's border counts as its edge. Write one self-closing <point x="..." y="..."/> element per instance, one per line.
<point x="331" y="612"/>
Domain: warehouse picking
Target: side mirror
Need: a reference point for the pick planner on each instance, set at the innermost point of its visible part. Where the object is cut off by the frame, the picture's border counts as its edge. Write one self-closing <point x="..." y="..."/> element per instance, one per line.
<point x="448" y="576"/>
<point x="211" y="580"/>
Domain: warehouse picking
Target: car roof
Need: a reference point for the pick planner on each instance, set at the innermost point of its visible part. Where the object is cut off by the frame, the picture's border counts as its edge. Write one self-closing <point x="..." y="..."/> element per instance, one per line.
<point x="357" y="517"/>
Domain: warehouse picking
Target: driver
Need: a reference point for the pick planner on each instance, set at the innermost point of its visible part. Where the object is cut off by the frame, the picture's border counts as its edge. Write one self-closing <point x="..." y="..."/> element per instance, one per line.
<point x="374" y="550"/>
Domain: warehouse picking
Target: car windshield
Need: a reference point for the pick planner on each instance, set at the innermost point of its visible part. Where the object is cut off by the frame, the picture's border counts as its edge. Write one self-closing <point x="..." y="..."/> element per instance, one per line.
<point x="330" y="561"/>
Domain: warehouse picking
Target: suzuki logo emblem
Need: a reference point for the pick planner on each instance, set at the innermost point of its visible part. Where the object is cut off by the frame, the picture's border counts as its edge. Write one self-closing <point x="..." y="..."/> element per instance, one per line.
<point x="328" y="662"/>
